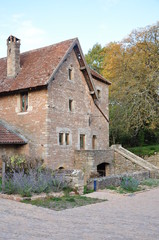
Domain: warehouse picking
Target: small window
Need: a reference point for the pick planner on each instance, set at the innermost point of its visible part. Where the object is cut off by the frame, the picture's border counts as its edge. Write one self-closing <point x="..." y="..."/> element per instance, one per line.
<point x="61" y="138"/>
<point x="94" y="141"/>
<point x="70" y="105"/>
<point x="67" y="140"/>
<point x="98" y="93"/>
<point x="70" y="73"/>
<point x="24" y="102"/>
<point x="82" y="141"/>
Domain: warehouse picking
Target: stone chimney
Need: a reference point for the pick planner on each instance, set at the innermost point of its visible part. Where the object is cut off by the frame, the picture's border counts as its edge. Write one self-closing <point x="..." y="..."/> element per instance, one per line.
<point x="13" y="56"/>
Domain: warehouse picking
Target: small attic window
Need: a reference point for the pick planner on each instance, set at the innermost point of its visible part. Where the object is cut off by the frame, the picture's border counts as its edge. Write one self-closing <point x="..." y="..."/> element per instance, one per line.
<point x="99" y="93"/>
<point x="70" y="73"/>
<point x="70" y="105"/>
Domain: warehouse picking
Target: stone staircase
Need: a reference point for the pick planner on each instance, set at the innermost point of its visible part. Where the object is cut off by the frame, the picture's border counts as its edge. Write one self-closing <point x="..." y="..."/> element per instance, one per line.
<point x="154" y="171"/>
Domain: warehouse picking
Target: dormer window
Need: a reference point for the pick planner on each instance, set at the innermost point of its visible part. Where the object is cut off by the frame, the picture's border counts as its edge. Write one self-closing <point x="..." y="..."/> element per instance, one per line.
<point x="24" y="102"/>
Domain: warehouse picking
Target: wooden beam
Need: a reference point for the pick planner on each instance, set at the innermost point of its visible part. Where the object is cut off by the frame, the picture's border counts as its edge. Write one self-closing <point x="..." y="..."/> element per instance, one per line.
<point x="82" y="68"/>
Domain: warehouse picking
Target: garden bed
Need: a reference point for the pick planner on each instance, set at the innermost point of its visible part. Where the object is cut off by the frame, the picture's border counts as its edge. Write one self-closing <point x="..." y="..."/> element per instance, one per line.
<point x="62" y="203"/>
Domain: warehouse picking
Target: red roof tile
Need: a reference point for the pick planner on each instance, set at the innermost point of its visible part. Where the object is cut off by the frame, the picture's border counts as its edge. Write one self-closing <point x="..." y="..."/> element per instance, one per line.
<point x="37" y="67"/>
<point x="97" y="76"/>
<point x="7" y="136"/>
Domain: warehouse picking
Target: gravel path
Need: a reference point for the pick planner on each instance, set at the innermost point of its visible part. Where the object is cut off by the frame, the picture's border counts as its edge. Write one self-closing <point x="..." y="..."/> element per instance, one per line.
<point x="121" y="217"/>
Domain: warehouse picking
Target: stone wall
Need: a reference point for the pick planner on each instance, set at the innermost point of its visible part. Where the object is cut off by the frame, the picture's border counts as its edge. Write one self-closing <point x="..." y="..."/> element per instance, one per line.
<point x="154" y="159"/>
<point x="84" y="118"/>
<point x="122" y="165"/>
<point x="115" y="180"/>
<point x="31" y="124"/>
<point x="88" y="160"/>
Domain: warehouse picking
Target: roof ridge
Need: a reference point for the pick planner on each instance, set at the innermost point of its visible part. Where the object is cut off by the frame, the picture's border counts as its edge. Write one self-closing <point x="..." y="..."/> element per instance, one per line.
<point x="48" y="46"/>
<point x="40" y="48"/>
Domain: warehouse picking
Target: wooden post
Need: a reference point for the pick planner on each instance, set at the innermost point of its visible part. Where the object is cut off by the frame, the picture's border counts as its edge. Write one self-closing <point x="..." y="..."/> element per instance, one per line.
<point x="3" y="175"/>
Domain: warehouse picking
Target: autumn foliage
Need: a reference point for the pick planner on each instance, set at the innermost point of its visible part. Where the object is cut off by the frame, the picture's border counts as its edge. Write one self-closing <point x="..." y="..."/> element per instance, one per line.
<point x="132" y="66"/>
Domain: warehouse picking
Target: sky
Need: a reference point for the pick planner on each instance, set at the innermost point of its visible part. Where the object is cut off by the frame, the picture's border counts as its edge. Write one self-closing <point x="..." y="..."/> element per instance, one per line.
<point x="40" y="23"/>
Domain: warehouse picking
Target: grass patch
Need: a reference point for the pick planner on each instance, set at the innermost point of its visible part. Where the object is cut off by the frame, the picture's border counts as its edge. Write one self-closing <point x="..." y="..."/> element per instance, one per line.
<point x="62" y="203"/>
<point x="124" y="191"/>
<point x="144" y="150"/>
<point x="150" y="182"/>
<point x="111" y="188"/>
<point x="86" y="190"/>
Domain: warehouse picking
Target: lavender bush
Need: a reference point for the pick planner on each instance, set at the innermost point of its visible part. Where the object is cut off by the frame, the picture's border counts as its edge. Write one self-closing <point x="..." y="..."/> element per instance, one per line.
<point x="36" y="181"/>
<point x="129" y="184"/>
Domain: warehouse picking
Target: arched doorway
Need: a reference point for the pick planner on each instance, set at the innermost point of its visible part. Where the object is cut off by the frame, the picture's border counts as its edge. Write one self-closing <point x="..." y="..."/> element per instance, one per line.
<point x="103" y="169"/>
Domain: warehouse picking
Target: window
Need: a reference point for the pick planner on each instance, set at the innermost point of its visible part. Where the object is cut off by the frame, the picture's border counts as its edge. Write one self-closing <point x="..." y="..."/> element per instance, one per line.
<point x="70" y="105"/>
<point x="70" y="73"/>
<point x="94" y="140"/>
<point x="64" y="138"/>
<point x="82" y="141"/>
<point x="61" y="135"/>
<point x="24" y="102"/>
<point x="67" y="138"/>
<point x="98" y="93"/>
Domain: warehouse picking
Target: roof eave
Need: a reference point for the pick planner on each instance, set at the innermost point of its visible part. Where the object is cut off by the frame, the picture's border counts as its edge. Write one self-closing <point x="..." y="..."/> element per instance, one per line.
<point x="13" y="143"/>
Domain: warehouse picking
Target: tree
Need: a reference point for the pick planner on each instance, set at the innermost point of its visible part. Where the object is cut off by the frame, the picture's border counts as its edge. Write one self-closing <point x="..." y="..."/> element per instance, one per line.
<point x="94" y="57"/>
<point x="133" y="67"/>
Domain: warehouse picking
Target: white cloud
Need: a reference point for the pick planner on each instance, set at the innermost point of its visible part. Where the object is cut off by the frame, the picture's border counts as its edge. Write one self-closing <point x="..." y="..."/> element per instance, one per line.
<point x="107" y="4"/>
<point x="17" y="17"/>
<point x="103" y="27"/>
<point x="31" y="35"/>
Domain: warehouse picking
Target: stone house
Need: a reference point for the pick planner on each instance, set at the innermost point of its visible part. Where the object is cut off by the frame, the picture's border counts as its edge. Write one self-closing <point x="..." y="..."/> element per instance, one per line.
<point x="52" y="105"/>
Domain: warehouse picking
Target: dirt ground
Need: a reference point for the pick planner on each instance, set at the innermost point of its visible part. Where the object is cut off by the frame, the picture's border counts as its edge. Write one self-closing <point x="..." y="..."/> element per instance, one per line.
<point x="134" y="216"/>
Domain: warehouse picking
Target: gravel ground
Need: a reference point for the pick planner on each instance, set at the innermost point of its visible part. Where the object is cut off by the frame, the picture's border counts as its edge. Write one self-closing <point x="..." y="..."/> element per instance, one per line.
<point x="134" y="216"/>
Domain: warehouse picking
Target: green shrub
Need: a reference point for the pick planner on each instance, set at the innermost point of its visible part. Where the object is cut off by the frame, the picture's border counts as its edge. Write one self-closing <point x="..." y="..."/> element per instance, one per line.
<point x="144" y="150"/>
<point x="18" y="163"/>
<point x="130" y="184"/>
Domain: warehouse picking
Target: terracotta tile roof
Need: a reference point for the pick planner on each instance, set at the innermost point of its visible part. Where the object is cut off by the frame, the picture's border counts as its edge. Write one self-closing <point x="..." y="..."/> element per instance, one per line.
<point x="97" y="76"/>
<point x="37" y="67"/>
<point x="8" y="136"/>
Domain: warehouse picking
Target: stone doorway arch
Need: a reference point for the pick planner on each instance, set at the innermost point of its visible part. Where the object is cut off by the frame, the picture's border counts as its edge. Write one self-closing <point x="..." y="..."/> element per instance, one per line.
<point x="103" y="169"/>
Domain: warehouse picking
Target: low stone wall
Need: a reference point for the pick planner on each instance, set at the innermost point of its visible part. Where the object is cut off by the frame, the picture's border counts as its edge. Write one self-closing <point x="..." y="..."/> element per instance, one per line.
<point x="154" y="159"/>
<point x="73" y="178"/>
<point x="115" y="180"/>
